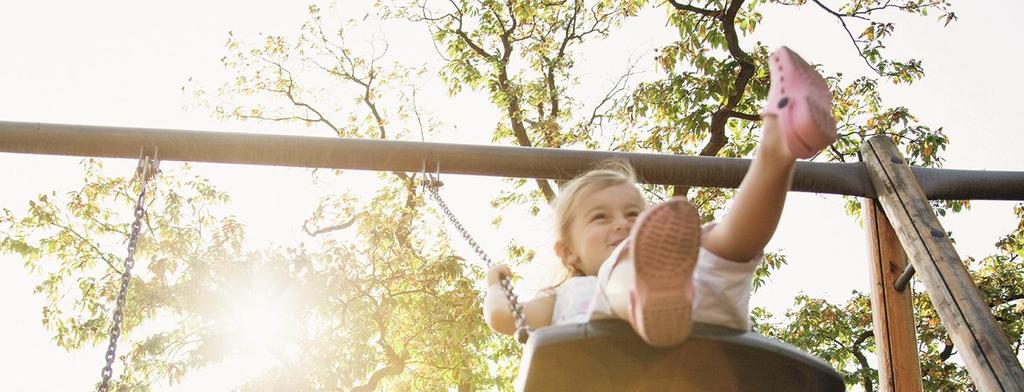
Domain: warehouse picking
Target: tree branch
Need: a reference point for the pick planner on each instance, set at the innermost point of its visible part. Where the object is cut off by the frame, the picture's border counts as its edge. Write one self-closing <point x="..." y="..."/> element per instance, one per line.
<point x="618" y="87"/>
<point x="394" y="368"/>
<point x="515" y="113"/>
<point x="744" y="116"/>
<point x="864" y="364"/>
<point x="854" y="40"/>
<point x="305" y="226"/>
<point x="291" y="96"/>
<point x="108" y="261"/>
<point x="465" y="37"/>
<point x="720" y="117"/>
<point x="717" y="14"/>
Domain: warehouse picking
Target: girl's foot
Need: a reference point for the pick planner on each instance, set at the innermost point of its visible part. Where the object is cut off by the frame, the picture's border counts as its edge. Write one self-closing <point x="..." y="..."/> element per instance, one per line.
<point x="800" y="98"/>
<point x="664" y="243"/>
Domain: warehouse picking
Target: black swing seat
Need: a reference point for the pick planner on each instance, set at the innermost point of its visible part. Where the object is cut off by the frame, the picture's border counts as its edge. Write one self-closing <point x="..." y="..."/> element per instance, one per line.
<point x="606" y="355"/>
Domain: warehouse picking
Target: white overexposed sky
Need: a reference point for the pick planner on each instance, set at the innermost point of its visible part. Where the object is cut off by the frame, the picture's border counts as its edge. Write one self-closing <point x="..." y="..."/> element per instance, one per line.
<point x="122" y="63"/>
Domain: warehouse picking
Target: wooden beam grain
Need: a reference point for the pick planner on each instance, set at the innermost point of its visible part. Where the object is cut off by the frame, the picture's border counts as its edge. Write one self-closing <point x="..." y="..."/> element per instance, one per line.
<point x="899" y="367"/>
<point x="979" y="340"/>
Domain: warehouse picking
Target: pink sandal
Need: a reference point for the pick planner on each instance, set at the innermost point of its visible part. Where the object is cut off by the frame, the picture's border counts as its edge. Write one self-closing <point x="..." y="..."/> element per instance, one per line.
<point x="664" y="243"/>
<point x="802" y="102"/>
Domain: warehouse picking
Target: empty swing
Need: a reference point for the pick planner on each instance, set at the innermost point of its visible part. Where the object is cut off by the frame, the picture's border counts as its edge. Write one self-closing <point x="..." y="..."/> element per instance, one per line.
<point x="607" y="355"/>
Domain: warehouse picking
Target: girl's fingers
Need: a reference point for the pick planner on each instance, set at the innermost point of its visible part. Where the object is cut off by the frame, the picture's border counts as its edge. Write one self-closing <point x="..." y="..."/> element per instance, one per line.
<point x="496" y="273"/>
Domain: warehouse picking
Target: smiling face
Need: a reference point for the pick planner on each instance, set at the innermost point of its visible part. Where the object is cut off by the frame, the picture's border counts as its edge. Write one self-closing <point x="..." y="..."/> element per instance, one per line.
<point x="600" y="220"/>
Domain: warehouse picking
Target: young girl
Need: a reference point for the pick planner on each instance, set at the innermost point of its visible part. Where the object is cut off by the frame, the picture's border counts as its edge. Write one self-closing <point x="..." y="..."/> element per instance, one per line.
<point x="656" y="267"/>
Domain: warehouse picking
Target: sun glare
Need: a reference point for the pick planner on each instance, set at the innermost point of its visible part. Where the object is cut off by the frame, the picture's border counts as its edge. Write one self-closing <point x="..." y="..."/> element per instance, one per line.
<point x="260" y="324"/>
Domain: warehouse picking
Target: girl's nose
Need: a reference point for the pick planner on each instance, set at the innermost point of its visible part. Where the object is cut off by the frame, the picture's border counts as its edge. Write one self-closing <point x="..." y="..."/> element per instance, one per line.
<point x="622" y="223"/>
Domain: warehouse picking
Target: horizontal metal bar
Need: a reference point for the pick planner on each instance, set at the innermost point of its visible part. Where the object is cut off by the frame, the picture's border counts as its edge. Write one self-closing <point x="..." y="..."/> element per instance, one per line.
<point x="485" y="160"/>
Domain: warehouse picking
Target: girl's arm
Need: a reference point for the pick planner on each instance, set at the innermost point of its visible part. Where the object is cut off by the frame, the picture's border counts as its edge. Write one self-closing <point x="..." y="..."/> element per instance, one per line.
<point x="497" y="313"/>
<point x="751" y="220"/>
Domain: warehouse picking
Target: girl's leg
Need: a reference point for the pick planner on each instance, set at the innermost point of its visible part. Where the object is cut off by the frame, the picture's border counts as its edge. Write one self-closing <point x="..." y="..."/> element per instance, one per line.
<point x="740" y="236"/>
<point x="649" y="283"/>
<point x="806" y="125"/>
<point x="754" y="213"/>
<point x="619" y="284"/>
<point x="797" y="123"/>
<point x="722" y="291"/>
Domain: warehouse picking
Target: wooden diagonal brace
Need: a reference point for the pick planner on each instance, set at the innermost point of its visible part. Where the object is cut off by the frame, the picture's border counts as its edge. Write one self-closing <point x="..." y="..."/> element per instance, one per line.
<point x="981" y="343"/>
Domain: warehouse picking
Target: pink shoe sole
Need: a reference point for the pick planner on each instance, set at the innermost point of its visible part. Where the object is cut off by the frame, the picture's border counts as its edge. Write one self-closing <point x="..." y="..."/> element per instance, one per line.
<point x="801" y="100"/>
<point x="665" y="242"/>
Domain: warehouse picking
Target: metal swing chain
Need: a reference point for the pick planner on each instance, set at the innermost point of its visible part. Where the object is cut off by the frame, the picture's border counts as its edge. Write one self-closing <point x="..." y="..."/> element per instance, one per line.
<point x="147" y="168"/>
<point x="522" y="331"/>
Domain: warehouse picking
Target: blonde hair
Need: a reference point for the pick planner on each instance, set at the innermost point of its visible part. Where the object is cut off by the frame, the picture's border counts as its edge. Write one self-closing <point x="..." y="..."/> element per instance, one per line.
<point x="605" y="174"/>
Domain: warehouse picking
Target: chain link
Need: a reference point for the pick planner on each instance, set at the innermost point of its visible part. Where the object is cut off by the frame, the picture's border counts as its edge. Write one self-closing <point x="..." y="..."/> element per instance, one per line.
<point x="431" y="183"/>
<point x="145" y="167"/>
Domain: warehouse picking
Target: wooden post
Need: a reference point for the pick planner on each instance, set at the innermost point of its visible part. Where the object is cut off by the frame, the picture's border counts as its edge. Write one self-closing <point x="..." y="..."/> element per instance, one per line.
<point x="981" y="343"/>
<point x="899" y="368"/>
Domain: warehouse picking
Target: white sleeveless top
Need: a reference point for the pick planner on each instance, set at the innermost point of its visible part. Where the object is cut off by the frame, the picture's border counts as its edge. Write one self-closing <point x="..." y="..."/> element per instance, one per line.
<point x="573" y="300"/>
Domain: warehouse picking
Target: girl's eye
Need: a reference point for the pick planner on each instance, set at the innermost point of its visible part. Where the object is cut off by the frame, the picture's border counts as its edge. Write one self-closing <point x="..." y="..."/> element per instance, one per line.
<point x="597" y="217"/>
<point x="633" y="214"/>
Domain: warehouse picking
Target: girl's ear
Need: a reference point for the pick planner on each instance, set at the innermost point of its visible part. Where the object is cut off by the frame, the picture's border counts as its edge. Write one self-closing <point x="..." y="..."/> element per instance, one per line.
<point x="564" y="253"/>
<point x="561" y="250"/>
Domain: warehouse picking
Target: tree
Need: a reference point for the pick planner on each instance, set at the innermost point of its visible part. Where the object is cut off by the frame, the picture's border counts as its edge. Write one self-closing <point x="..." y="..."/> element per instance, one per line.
<point x="352" y="312"/>
<point x="382" y="301"/>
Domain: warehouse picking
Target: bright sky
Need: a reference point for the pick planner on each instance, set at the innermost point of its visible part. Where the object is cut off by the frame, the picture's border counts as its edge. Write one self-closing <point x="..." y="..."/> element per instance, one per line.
<point x="122" y="64"/>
